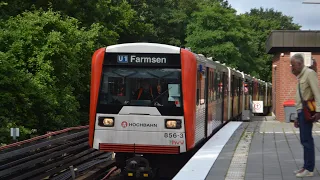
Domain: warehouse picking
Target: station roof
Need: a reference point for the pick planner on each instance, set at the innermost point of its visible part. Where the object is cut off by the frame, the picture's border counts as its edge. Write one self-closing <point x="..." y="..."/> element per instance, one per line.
<point x="293" y="41"/>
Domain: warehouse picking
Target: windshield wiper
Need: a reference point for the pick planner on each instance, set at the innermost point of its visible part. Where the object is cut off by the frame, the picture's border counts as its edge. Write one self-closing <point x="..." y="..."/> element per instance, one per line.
<point x="160" y="95"/>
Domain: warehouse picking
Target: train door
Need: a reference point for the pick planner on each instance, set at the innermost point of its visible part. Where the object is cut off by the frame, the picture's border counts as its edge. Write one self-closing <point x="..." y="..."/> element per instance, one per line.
<point x="201" y="103"/>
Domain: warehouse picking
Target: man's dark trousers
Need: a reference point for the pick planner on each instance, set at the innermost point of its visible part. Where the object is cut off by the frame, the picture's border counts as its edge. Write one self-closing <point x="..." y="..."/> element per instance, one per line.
<point x="307" y="142"/>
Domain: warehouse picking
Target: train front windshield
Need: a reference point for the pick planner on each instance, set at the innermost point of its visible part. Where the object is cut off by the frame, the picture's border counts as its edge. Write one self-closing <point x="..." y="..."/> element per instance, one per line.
<point x="156" y="87"/>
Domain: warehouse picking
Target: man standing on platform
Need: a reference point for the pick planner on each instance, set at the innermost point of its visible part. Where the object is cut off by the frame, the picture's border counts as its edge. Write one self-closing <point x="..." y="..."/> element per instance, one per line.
<point x="307" y="88"/>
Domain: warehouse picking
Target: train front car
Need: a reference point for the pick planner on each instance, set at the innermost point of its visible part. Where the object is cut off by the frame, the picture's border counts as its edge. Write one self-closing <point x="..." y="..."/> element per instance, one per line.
<point x="142" y="101"/>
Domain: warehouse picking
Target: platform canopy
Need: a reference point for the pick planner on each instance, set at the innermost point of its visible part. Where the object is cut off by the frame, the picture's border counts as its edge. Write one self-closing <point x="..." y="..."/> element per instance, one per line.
<point x="293" y="40"/>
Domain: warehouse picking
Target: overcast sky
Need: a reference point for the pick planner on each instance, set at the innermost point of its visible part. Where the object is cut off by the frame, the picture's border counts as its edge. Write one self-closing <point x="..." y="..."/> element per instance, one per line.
<point x="306" y="15"/>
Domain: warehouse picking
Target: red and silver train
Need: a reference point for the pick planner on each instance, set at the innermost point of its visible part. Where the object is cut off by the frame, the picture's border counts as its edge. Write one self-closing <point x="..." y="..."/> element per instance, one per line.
<point x="155" y="99"/>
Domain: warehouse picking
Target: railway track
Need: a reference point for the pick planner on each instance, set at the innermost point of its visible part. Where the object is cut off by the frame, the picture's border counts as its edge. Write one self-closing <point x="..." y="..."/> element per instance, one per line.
<point x="58" y="155"/>
<point x="61" y="155"/>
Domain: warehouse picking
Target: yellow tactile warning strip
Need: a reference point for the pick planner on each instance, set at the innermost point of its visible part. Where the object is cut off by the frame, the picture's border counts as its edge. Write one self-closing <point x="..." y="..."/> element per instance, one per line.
<point x="237" y="167"/>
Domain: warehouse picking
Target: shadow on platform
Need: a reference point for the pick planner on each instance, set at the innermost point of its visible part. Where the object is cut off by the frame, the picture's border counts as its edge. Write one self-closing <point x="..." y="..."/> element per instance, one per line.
<point x="264" y="149"/>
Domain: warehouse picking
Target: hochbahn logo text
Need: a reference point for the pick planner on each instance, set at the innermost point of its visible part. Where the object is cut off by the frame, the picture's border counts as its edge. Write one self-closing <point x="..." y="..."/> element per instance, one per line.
<point x="125" y="124"/>
<point x="140" y="59"/>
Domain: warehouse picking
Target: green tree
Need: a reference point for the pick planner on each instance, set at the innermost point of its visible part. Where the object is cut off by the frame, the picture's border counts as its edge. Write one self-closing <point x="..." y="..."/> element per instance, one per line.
<point x="169" y="19"/>
<point x="45" y="70"/>
<point x="117" y="17"/>
<point x="218" y="32"/>
<point x="262" y="22"/>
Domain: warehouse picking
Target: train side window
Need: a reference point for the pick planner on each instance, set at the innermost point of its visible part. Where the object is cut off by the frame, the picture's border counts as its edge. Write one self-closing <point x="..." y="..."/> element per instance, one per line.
<point x="216" y="86"/>
<point x="232" y="86"/>
<point x="220" y="85"/>
<point x="235" y="89"/>
<point x="238" y="81"/>
<point x="223" y="88"/>
<point x="250" y="87"/>
<point x="212" y="89"/>
<point x="202" y="89"/>
<point x="264" y="91"/>
<point x="226" y="85"/>
<point x="211" y="86"/>
<point x="236" y="86"/>
<point x="240" y="86"/>
<point x="260" y="92"/>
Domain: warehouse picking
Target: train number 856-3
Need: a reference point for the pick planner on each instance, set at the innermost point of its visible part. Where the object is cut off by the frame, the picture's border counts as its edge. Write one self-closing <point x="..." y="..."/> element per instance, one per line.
<point x="173" y="135"/>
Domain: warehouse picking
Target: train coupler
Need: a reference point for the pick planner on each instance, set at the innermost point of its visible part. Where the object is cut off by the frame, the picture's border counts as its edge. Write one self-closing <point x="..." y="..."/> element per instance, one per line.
<point x="137" y="168"/>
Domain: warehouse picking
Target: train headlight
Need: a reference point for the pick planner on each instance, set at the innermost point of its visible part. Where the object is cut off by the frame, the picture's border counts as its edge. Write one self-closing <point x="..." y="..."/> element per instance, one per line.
<point x="173" y="123"/>
<point x="106" y="121"/>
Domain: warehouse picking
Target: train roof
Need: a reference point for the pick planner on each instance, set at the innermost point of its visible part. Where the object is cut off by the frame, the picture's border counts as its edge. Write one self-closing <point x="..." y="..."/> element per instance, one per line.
<point x="221" y="66"/>
<point x="247" y="76"/>
<point x="236" y="72"/>
<point x="144" y="48"/>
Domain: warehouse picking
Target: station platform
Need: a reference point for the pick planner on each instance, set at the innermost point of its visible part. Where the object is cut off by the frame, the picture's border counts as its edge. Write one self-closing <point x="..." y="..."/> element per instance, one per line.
<point x="262" y="149"/>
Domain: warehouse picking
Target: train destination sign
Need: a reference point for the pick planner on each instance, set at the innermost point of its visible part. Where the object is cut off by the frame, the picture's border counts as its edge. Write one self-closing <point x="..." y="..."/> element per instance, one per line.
<point x="142" y="59"/>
